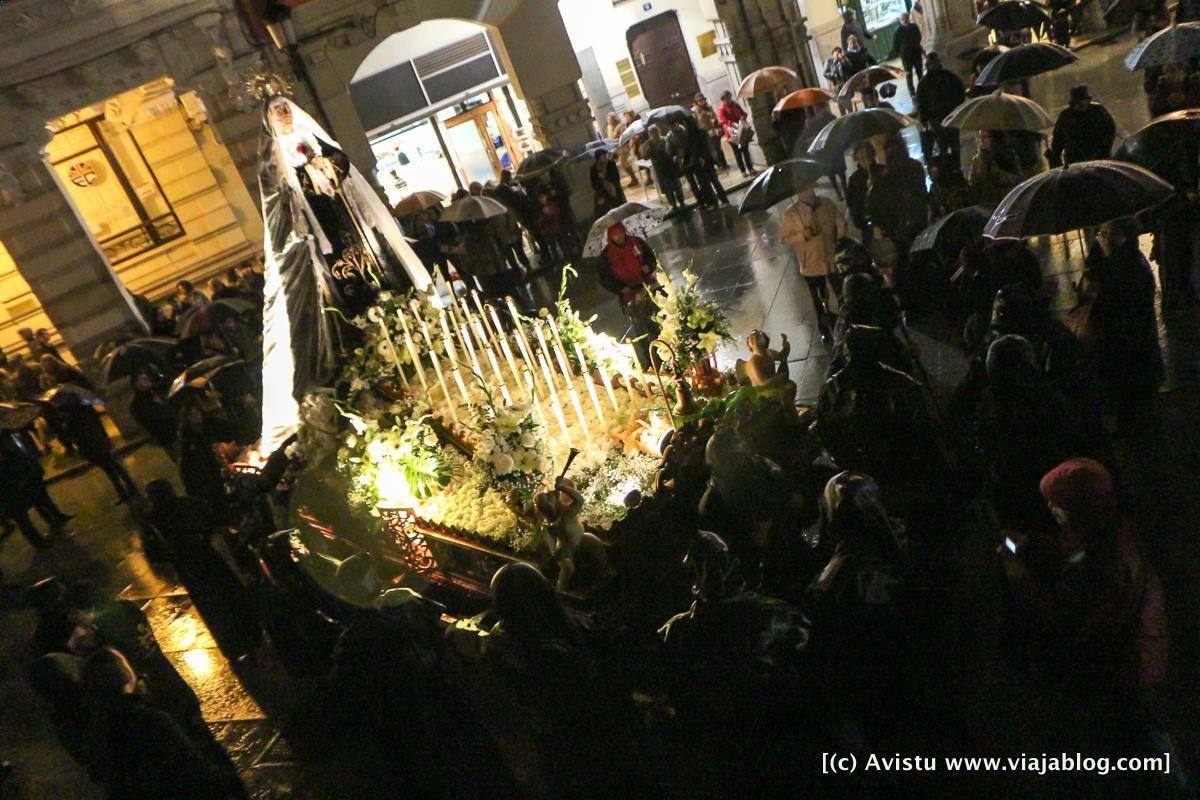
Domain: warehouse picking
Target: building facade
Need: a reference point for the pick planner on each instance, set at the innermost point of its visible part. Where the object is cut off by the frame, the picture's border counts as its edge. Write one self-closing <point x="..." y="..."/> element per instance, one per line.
<point x="129" y="151"/>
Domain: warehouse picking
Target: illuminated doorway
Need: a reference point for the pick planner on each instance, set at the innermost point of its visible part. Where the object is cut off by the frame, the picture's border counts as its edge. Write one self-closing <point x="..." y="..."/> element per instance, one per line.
<point x="481" y="142"/>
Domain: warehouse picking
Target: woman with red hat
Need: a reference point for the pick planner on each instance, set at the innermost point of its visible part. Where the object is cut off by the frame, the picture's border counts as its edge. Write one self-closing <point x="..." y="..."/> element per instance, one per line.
<point x="627" y="269"/>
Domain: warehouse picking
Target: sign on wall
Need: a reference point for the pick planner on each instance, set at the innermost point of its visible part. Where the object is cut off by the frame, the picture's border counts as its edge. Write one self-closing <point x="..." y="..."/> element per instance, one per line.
<point x="707" y="42"/>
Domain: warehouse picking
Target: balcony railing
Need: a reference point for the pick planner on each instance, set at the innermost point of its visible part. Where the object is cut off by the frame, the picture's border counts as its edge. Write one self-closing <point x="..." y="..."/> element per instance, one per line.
<point x="141" y="239"/>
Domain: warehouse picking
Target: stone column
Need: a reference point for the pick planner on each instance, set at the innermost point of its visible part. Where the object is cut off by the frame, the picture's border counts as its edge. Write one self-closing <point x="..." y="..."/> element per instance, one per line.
<point x="56" y="253"/>
<point x="541" y="62"/>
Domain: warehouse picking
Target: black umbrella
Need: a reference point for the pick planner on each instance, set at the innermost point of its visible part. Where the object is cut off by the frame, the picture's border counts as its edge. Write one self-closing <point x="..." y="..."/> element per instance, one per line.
<point x="854" y="127"/>
<point x="1077" y="196"/>
<point x="137" y="354"/>
<point x="541" y="161"/>
<point x="18" y="416"/>
<point x="1024" y="61"/>
<point x="203" y="373"/>
<point x="665" y="115"/>
<point x="1015" y="15"/>
<point x="68" y="394"/>
<point x="781" y="181"/>
<point x="1168" y="146"/>
<point x="1172" y="45"/>
<point x="588" y="154"/>
<point x="951" y="232"/>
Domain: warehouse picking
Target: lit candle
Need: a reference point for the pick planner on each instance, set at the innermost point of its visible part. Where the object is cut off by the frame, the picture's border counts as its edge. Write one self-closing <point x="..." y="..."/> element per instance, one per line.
<point x="543" y="349"/>
<point x="505" y="350"/>
<point x="437" y="366"/>
<point x="486" y="348"/>
<point x="554" y="403"/>
<point x="482" y="315"/>
<point x="523" y="340"/>
<point x="465" y="336"/>
<point x="452" y="355"/>
<point x="387" y="336"/>
<point x="607" y="380"/>
<point x="590" y="384"/>
<point x="412" y="351"/>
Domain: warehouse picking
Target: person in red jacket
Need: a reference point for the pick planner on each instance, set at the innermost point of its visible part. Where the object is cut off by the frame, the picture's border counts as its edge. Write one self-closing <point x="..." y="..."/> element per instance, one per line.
<point x="733" y="118"/>
<point x="627" y="269"/>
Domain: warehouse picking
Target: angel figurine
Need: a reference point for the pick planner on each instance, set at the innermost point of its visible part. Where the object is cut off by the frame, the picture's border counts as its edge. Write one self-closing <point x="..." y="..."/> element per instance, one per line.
<point x="760" y="369"/>
<point x="559" y="508"/>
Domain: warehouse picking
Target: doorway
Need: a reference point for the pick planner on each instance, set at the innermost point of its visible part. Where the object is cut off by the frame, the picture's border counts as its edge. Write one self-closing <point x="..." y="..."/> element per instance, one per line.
<point x="660" y="56"/>
<point x="482" y="143"/>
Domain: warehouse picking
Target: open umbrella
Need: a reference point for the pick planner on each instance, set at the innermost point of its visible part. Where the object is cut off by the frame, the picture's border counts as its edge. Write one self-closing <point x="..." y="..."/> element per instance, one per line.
<point x="999" y="112"/>
<point x="541" y="161"/>
<point x="869" y="78"/>
<point x="666" y="115"/>
<point x="199" y="375"/>
<point x="856" y="126"/>
<point x="1169" y="46"/>
<point x="1015" y="15"/>
<point x="635" y="128"/>
<point x="639" y="220"/>
<point x="803" y="98"/>
<point x="949" y="233"/>
<point x="765" y="80"/>
<point x="1168" y="146"/>
<point x="18" y="416"/>
<point x="1024" y="61"/>
<point x="1076" y="196"/>
<point x="136" y="354"/>
<point x="68" y="394"/>
<point x="980" y="56"/>
<point x="781" y="181"/>
<point x="591" y="148"/>
<point x="417" y="202"/>
<point x="204" y="319"/>
<point x="474" y="209"/>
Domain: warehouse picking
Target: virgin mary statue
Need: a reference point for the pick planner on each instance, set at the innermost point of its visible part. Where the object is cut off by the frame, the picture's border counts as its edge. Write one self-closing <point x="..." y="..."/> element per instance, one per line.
<point x="330" y="244"/>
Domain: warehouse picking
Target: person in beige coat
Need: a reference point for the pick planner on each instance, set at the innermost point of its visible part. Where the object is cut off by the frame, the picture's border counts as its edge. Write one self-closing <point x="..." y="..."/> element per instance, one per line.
<point x="617" y="126"/>
<point x="813" y="225"/>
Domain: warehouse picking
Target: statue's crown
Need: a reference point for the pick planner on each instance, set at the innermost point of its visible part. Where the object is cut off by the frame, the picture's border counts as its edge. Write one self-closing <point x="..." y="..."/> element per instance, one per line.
<point x="265" y="85"/>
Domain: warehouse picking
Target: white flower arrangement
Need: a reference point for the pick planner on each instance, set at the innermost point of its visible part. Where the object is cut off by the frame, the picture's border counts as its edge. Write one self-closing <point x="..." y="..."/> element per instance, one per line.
<point x="692" y="324"/>
<point x="393" y="460"/>
<point x="511" y="447"/>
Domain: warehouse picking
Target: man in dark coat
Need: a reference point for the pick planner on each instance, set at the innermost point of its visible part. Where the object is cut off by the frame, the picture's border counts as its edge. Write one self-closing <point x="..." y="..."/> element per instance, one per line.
<point x="141" y="752"/>
<point x="939" y="93"/>
<point x="852" y="27"/>
<point x="1084" y="131"/>
<point x="150" y="409"/>
<point x="80" y="422"/>
<point x="21" y="475"/>
<point x="906" y="43"/>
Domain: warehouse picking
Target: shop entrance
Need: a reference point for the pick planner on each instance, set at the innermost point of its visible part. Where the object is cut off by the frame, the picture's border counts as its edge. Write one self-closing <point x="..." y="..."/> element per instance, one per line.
<point x="482" y="143"/>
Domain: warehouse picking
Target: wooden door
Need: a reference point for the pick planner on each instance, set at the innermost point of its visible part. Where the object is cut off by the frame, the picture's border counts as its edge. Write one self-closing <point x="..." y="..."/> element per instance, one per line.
<point x="660" y="56"/>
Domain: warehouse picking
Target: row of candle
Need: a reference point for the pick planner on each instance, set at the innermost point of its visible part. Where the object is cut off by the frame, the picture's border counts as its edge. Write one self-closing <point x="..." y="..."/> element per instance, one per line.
<point x="471" y="338"/>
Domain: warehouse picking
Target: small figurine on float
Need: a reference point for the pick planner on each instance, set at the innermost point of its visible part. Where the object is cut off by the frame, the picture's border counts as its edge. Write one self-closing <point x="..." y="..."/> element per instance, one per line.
<point x="559" y="509"/>
<point x="760" y="369"/>
<point x="767" y="367"/>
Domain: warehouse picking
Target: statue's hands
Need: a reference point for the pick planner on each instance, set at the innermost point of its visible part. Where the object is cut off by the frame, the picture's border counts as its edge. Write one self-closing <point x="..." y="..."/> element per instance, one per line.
<point x="326" y="168"/>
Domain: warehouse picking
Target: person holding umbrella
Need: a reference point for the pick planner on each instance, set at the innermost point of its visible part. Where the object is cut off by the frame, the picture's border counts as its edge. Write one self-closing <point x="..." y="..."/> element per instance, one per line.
<point x="995" y="169"/>
<point x="150" y="409"/>
<point x="628" y="269"/>
<point x="1084" y="131"/>
<point x="617" y="126"/>
<point x="734" y="120"/>
<point x="938" y="94"/>
<point x="858" y="188"/>
<point x="1116" y="296"/>
<point x="813" y="225"/>
<point x="666" y="169"/>
<point x="898" y="203"/>
<point x="606" y="182"/>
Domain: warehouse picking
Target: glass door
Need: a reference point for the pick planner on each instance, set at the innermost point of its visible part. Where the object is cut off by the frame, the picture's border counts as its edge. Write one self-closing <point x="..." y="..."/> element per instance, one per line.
<point x="481" y="143"/>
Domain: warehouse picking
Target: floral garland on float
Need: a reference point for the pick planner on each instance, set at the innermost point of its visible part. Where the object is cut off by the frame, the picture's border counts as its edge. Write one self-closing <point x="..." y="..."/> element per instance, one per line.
<point x="457" y="415"/>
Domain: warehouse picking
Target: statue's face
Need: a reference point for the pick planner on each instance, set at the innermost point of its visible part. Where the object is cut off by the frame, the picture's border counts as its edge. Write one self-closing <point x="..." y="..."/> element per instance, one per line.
<point x="281" y="116"/>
